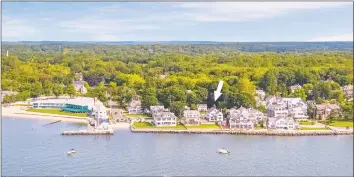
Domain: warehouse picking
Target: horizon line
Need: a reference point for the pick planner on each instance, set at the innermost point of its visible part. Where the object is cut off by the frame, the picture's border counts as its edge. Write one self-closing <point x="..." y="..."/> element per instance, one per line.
<point x="171" y="41"/>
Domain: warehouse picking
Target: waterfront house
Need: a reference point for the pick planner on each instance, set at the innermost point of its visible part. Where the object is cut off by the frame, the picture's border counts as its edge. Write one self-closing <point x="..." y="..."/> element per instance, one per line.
<point x="164" y="118"/>
<point x="298" y="113"/>
<point x="135" y="107"/>
<point x="293" y="102"/>
<point x="275" y="110"/>
<point x="323" y="111"/>
<point x="294" y="87"/>
<point x="202" y="107"/>
<point x="156" y="108"/>
<point x="348" y="92"/>
<point x="244" y="118"/>
<point x="238" y="120"/>
<point x="100" y="114"/>
<point x="191" y="117"/>
<point x="281" y="123"/>
<point x="214" y="115"/>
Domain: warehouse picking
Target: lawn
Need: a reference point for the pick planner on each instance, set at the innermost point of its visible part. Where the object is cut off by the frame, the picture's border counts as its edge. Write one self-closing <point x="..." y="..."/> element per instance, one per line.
<point x="313" y="128"/>
<point x="56" y="111"/>
<point x="204" y="126"/>
<point x="142" y="125"/>
<point x="259" y="128"/>
<point x="342" y="124"/>
<point x="307" y="122"/>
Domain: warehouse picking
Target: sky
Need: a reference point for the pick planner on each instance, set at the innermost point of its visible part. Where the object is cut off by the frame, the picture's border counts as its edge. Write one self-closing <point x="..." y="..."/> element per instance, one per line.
<point x="177" y="21"/>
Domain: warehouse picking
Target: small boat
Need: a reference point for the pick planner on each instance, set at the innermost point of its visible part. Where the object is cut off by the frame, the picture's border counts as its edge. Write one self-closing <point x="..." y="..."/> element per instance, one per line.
<point x="223" y="151"/>
<point x="71" y="152"/>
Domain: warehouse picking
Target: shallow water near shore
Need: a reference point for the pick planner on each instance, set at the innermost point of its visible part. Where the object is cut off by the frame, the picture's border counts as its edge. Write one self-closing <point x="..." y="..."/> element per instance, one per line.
<point x="31" y="149"/>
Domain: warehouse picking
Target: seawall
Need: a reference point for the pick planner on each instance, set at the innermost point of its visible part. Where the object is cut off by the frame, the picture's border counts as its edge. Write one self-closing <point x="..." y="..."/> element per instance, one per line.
<point x="250" y="132"/>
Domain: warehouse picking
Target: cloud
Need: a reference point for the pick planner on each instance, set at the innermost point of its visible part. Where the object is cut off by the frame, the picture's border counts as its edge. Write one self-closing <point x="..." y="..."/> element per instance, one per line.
<point x="242" y="11"/>
<point x="17" y="27"/>
<point x="342" y="37"/>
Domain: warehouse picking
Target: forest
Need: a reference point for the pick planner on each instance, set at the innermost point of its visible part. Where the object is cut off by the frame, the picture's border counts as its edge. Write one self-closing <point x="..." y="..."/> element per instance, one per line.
<point x="173" y="75"/>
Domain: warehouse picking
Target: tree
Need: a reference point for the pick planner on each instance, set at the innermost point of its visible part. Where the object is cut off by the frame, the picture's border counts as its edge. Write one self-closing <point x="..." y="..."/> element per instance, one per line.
<point x="70" y="90"/>
<point x="245" y="85"/>
<point x="270" y="82"/>
<point x="149" y="97"/>
<point x="36" y="89"/>
<point x="58" y="89"/>
<point x="299" y="93"/>
<point x="177" y="108"/>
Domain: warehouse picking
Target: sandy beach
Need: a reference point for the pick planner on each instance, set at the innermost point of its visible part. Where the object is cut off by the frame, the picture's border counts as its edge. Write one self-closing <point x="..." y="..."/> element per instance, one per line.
<point x="19" y="112"/>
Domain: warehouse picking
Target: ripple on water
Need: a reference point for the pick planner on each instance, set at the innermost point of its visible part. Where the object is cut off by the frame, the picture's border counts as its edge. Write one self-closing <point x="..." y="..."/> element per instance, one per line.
<point x="127" y="153"/>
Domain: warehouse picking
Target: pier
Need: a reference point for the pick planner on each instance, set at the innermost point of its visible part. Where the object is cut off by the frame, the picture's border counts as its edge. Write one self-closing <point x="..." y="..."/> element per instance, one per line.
<point x="89" y="132"/>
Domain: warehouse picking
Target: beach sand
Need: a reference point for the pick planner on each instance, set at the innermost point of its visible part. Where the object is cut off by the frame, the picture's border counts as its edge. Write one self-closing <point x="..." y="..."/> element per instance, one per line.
<point x="19" y="112"/>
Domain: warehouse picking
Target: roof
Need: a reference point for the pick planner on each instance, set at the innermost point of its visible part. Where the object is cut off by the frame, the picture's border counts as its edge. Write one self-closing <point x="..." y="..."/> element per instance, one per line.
<point x="134" y="103"/>
<point x="330" y="106"/>
<point x="163" y="114"/>
<point x="82" y="101"/>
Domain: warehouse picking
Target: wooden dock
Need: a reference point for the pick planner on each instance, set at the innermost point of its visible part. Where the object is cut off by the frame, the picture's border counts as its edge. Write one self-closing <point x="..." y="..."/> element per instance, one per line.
<point x="89" y="132"/>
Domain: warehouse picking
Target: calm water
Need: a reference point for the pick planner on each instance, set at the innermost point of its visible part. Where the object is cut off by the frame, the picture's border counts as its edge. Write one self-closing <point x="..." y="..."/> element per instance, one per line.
<point x="43" y="152"/>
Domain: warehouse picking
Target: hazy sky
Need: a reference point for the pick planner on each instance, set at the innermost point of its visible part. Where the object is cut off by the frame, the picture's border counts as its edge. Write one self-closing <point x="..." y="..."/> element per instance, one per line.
<point x="192" y="21"/>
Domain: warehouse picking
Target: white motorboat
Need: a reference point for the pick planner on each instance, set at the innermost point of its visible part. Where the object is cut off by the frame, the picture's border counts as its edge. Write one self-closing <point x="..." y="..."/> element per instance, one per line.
<point x="71" y="152"/>
<point x="223" y="151"/>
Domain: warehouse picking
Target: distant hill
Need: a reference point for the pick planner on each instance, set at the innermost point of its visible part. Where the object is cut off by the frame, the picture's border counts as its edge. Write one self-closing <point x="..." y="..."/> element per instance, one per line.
<point x="226" y="46"/>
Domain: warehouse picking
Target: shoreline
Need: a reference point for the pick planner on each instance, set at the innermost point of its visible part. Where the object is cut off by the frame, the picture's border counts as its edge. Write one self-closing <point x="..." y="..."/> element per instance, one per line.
<point x="249" y="132"/>
<point x="18" y="113"/>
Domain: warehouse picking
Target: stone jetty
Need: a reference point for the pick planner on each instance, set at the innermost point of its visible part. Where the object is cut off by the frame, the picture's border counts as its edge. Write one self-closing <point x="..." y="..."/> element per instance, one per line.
<point x="89" y="132"/>
<point x="250" y="132"/>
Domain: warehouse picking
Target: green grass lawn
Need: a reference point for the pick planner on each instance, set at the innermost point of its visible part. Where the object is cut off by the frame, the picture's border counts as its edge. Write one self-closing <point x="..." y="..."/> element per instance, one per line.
<point x="56" y="111"/>
<point x="342" y="124"/>
<point x="313" y="128"/>
<point x="142" y="125"/>
<point x="203" y="112"/>
<point x="259" y="128"/>
<point x="204" y="126"/>
<point x="307" y="122"/>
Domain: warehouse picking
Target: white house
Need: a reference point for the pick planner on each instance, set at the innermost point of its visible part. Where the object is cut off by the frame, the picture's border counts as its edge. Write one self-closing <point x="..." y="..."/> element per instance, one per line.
<point x="293" y="102"/>
<point x="298" y="113"/>
<point x="134" y="107"/>
<point x="191" y="117"/>
<point x="157" y="108"/>
<point x="161" y="119"/>
<point x="244" y="118"/>
<point x="100" y="114"/>
<point x="281" y="123"/>
<point x="214" y="115"/>
<point x="202" y="107"/>
<point x="276" y="110"/>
